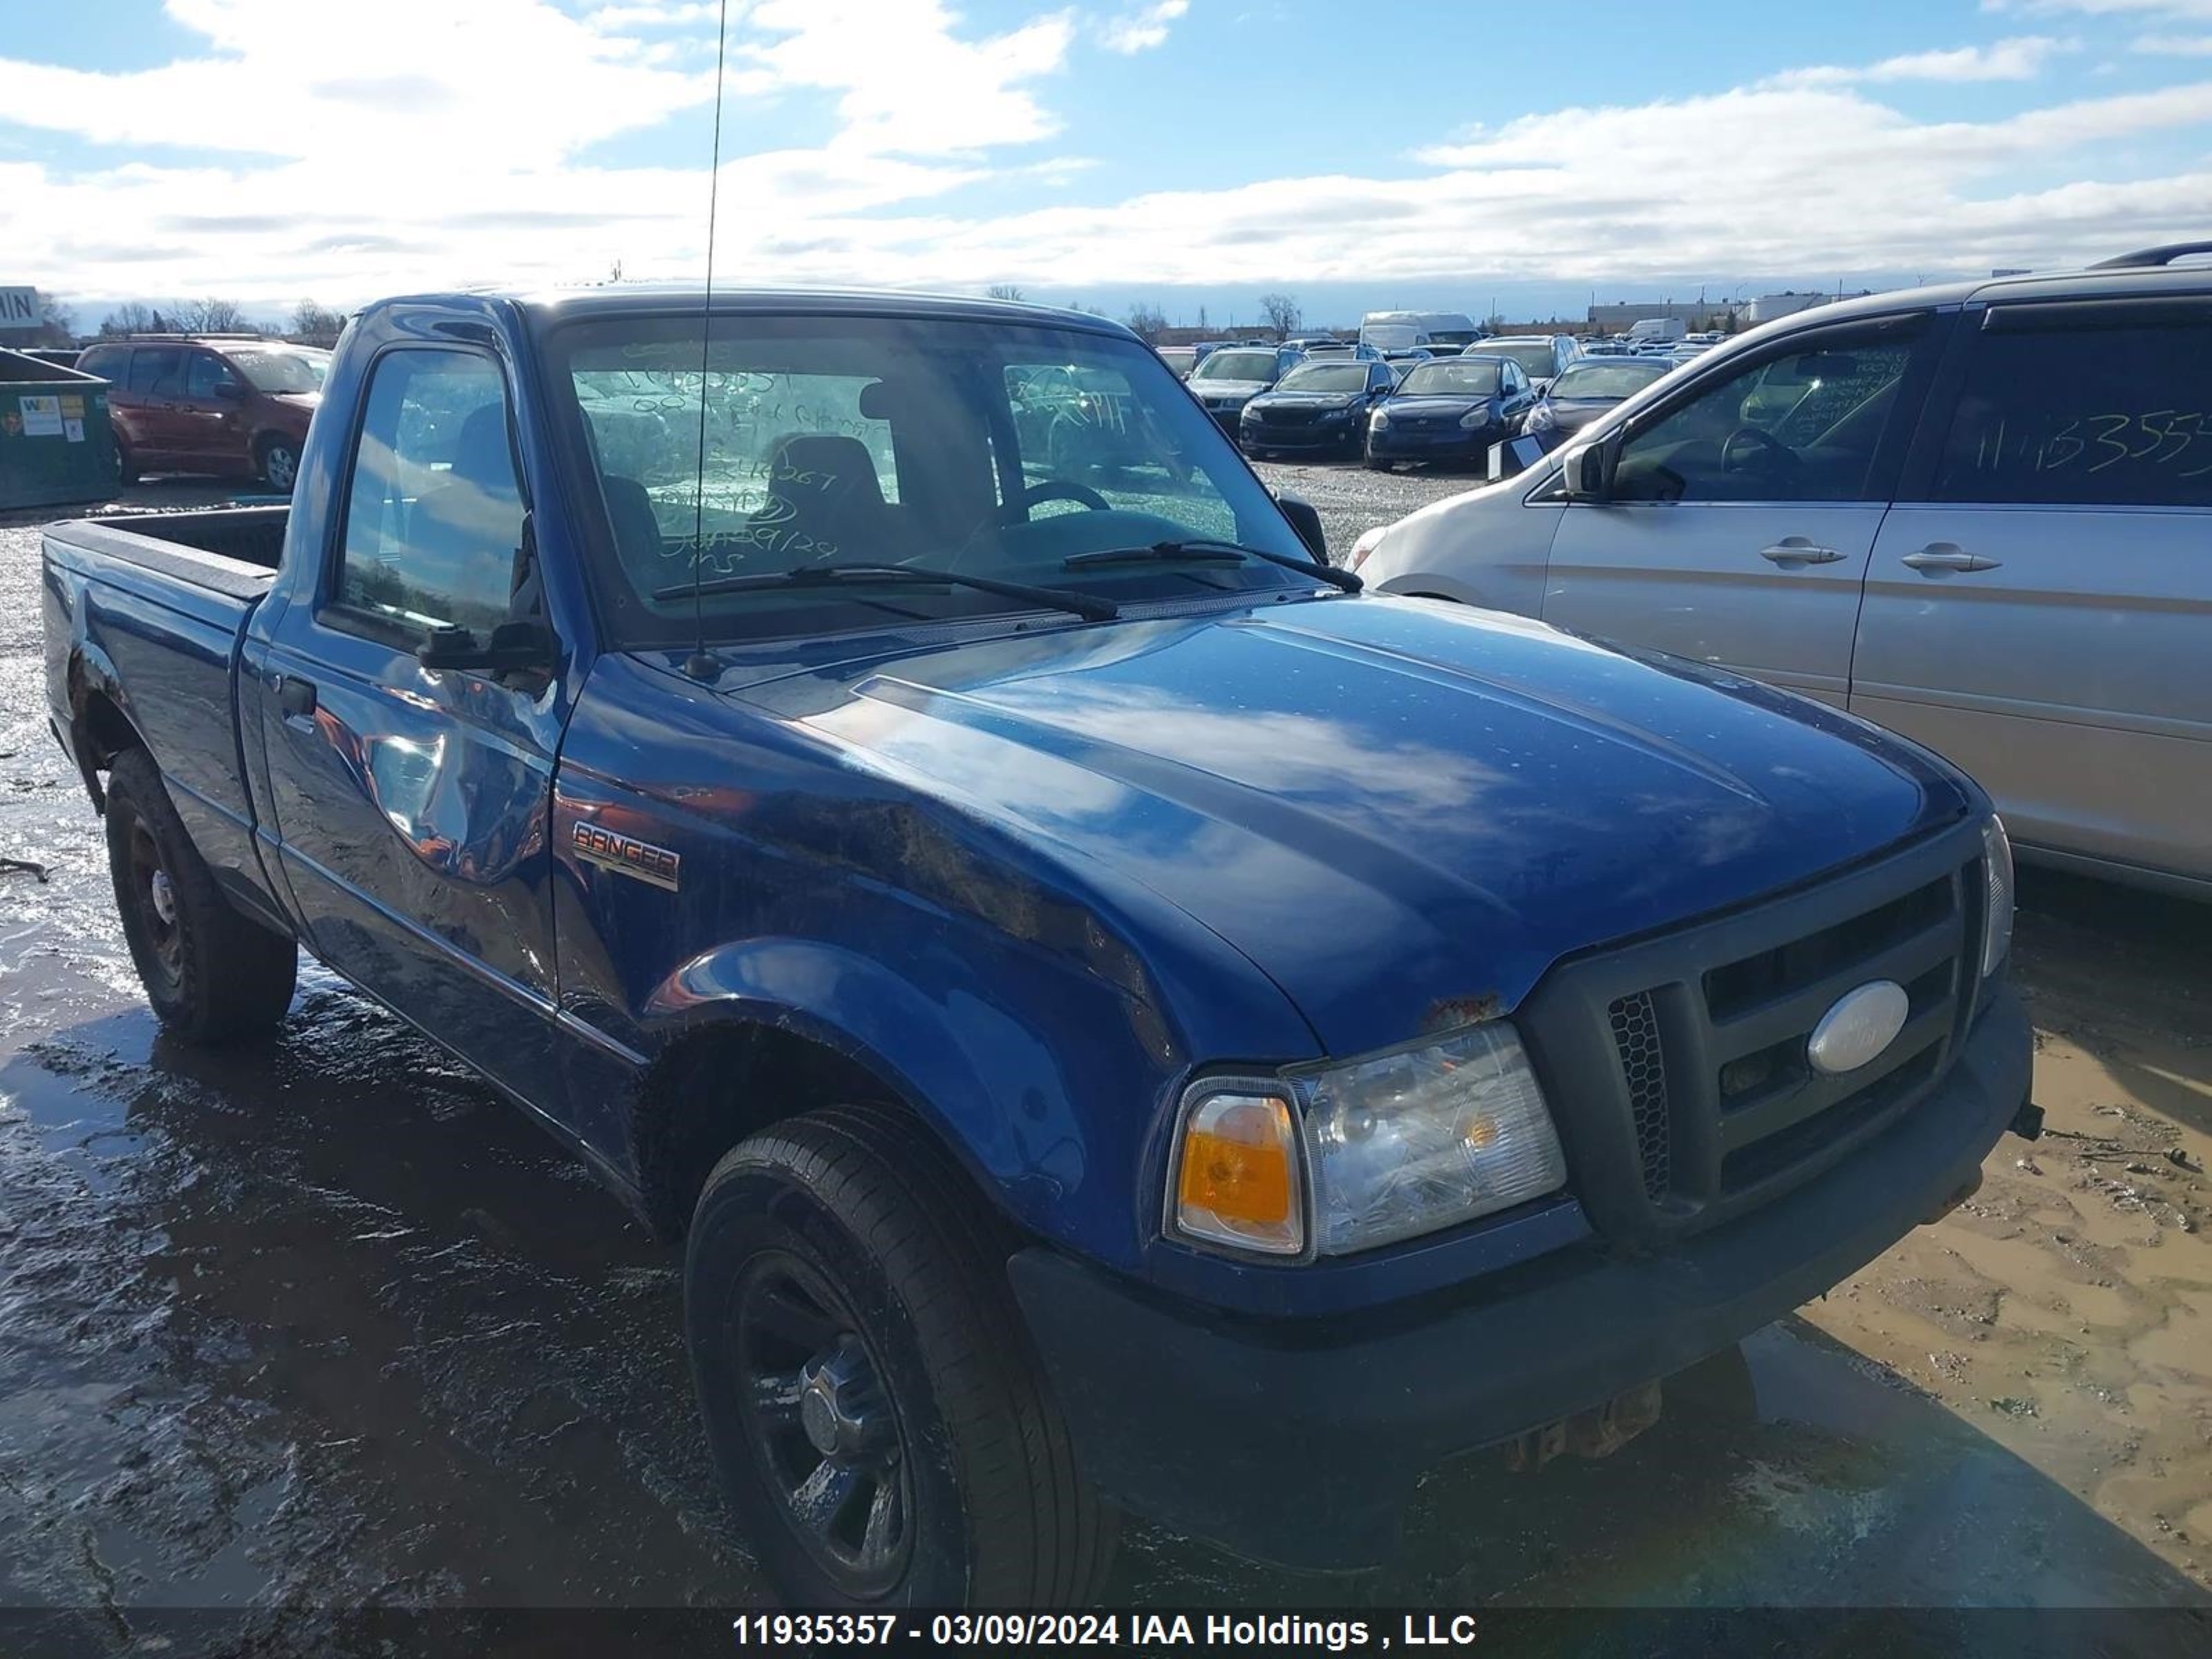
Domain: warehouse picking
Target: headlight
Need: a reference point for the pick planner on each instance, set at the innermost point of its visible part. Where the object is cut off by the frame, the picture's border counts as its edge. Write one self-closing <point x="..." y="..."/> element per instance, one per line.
<point x="1389" y="1148"/>
<point x="1369" y="539"/>
<point x="1382" y="418"/>
<point x="1406" y="1143"/>
<point x="1542" y="418"/>
<point x="1334" y="414"/>
<point x="1996" y="913"/>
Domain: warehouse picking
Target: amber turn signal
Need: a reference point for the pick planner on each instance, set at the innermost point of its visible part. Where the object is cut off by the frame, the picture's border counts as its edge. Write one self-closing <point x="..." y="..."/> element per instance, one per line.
<point x="1237" y="1180"/>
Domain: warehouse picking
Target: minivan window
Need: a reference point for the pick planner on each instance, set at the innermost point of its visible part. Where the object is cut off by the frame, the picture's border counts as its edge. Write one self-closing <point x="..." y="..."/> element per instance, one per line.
<point x="434" y="515"/>
<point x="206" y="374"/>
<point x="1800" y="422"/>
<point x="2091" y="416"/>
<point x="158" y="371"/>
<point x="993" y="449"/>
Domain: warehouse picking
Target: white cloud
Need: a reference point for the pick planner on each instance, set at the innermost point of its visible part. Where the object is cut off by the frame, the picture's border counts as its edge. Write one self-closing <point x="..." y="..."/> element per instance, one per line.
<point x="2020" y="58"/>
<point x="1142" y="29"/>
<point x="2195" y="8"/>
<point x="2174" y="45"/>
<point x="608" y="19"/>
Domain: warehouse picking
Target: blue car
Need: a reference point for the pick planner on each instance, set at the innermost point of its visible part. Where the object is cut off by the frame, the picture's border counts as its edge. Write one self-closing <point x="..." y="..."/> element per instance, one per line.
<point x="1451" y="411"/>
<point x="1112" y="1017"/>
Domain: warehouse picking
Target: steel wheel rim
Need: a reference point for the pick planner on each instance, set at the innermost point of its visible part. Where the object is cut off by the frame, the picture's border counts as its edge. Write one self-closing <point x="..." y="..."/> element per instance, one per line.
<point x="150" y="881"/>
<point x="823" y="1429"/>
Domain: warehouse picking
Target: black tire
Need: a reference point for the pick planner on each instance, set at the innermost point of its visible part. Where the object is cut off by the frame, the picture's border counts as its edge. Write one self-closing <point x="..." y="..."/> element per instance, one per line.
<point x="1377" y="463"/>
<point x="278" y="460"/>
<point x="842" y="1251"/>
<point x="212" y="975"/>
<point x="127" y="468"/>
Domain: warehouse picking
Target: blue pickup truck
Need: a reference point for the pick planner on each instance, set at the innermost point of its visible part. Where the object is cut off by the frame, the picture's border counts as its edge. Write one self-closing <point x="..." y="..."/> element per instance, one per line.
<point x="1120" y="1019"/>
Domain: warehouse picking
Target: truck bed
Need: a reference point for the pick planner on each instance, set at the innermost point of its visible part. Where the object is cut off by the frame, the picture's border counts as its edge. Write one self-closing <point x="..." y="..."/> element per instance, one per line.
<point x="147" y="611"/>
<point x="232" y="550"/>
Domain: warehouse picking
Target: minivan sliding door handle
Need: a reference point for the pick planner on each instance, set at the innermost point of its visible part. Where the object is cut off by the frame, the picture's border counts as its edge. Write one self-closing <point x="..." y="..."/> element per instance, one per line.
<point x="1945" y="555"/>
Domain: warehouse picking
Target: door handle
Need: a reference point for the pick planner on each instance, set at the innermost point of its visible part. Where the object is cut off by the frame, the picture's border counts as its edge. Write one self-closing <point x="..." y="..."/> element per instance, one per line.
<point x="294" y="695"/>
<point x="1793" y="552"/>
<point x="1947" y="555"/>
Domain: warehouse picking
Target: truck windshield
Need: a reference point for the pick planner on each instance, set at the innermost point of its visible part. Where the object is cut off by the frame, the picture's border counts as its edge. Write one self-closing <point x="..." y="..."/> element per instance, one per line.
<point x="1000" y="451"/>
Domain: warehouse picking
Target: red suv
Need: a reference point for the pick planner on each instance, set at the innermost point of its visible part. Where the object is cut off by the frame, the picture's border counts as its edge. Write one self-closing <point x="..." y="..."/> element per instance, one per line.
<point x="233" y="407"/>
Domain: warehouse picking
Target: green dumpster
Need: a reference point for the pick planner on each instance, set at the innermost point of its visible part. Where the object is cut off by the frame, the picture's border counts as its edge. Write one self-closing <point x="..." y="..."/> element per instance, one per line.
<point x="55" y="446"/>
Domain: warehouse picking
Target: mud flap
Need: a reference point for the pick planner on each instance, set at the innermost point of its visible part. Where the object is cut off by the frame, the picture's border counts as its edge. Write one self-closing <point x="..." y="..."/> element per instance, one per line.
<point x="1599" y="1433"/>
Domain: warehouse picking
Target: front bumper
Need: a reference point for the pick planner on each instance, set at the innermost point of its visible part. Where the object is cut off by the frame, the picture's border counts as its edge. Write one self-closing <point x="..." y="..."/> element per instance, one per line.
<point x="1450" y="443"/>
<point x="1301" y="1442"/>
<point x="1336" y="435"/>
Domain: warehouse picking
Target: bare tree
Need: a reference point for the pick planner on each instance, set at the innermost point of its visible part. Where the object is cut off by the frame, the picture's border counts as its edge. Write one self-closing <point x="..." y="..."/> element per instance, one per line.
<point x="1283" y="313"/>
<point x="317" y="324"/>
<point x="130" y="317"/>
<point x="57" y="323"/>
<point x="1003" y="291"/>
<point x="1147" y="323"/>
<point x="210" y="316"/>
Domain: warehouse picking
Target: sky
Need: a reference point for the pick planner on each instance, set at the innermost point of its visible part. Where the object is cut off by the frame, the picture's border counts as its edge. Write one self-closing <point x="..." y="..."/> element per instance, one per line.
<point x="1184" y="153"/>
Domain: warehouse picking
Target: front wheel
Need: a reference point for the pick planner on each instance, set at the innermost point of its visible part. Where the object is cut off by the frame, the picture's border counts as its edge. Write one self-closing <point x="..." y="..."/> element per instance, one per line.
<point x="880" y="1424"/>
<point x="212" y="975"/>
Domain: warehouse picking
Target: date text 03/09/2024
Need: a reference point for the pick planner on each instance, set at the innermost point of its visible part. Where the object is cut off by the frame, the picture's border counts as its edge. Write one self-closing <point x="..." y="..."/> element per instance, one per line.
<point x="1254" y="1631"/>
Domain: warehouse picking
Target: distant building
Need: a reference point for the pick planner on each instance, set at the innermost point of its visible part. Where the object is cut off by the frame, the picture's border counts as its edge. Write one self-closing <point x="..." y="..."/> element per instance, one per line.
<point x="1620" y="318"/>
<point x="1767" y="307"/>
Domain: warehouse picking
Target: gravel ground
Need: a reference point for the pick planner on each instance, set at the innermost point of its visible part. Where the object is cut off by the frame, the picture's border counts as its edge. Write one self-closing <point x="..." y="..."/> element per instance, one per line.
<point x="323" y="1324"/>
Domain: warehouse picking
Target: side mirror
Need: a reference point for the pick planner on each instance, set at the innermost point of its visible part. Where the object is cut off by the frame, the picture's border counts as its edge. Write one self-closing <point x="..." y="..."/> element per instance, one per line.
<point x="1305" y="518"/>
<point x="515" y="647"/>
<point x="230" y="391"/>
<point x="1586" y="471"/>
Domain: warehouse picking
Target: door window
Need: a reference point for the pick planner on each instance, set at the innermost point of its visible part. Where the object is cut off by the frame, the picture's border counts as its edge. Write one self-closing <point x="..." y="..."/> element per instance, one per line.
<point x="2084" y="406"/>
<point x="1802" y="422"/>
<point x="434" y="515"/>
<point x="206" y="374"/>
<point x="158" y="371"/>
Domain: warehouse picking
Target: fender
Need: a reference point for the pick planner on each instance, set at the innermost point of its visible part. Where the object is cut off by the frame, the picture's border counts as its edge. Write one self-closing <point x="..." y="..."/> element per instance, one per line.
<point x="1002" y="1098"/>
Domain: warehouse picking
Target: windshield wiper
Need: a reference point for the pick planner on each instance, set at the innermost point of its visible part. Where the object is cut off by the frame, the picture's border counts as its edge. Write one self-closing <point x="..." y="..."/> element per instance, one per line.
<point x="1204" y="550"/>
<point x="1086" y="606"/>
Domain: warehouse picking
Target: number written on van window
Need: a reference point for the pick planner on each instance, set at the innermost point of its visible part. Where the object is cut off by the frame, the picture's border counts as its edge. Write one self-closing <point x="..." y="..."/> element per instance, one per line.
<point x="2101" y="416"/>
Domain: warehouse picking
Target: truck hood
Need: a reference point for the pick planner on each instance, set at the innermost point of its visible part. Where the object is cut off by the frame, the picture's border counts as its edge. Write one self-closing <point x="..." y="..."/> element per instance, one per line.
<point x="1402" y="811"/>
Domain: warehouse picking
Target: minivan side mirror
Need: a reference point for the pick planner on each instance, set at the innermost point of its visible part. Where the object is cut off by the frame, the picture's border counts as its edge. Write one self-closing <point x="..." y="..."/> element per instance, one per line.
<point x="230" y="391"/>
<point x="1586" y="471"/>
<point x="1305" y="518"/>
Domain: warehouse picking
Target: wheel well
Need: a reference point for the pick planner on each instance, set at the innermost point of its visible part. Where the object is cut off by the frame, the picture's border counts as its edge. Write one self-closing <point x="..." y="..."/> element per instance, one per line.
<point x="103" y="731"/>
<point x="712" y="1089"/>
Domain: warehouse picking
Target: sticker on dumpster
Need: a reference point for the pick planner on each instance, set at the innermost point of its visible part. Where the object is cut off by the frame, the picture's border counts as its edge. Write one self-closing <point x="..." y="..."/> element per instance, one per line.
<point x="11" y="424"/>
<point x="42" y="416"/>
<point x="72" y="409"/>
<point x="74" y="431"/>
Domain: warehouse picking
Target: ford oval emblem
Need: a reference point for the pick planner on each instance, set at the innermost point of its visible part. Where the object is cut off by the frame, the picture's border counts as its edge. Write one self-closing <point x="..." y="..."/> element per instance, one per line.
<point x="1858" y="1026"/>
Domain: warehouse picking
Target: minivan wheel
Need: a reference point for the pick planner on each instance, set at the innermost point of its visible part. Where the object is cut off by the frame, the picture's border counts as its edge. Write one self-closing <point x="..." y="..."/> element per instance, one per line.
<point x="126" y="466"/>
<point x="881" y="1427"/>
<point x="211" y="975"/>
<point x="280" y="462"/>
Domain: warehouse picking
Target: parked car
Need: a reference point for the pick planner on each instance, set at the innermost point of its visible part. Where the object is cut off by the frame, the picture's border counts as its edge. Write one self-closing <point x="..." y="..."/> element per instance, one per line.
<point x="225" y="407"/>
<point x="1405" y="356"/>
<point x="1976" y="514"/>
<point x="905" y="892"/>
<point x="1384" y="329"/>
<point x="1181" y="359"/>
<point x="1233" y="376"/>
<point x="1452" y="410"/>
<point x="1322" y="404"/>
<point x="1587" y="388"/>
<point x="1542" y="357"/>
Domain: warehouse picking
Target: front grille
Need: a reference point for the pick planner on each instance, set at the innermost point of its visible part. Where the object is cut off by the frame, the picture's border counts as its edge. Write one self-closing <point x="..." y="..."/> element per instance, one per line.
<point x="1686" y="1058"/>
<point x="1289" y="417"/>
<point x="1635" y="1036"/>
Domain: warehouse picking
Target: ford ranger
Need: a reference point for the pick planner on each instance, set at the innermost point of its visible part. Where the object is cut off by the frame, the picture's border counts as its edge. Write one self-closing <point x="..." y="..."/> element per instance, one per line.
<point x="1120" y="1019"/>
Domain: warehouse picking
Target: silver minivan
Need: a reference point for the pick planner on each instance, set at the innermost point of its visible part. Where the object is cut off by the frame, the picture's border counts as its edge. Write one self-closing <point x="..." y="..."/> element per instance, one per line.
<point x="1979" y="515"/>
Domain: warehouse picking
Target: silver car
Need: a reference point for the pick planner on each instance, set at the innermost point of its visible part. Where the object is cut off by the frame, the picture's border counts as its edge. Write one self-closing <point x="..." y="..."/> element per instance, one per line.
<point x="1980" y="515"/>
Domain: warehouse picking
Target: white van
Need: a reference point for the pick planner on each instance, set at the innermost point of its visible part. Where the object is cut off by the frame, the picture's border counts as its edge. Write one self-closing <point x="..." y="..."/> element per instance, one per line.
<point x="1401" y="330"/>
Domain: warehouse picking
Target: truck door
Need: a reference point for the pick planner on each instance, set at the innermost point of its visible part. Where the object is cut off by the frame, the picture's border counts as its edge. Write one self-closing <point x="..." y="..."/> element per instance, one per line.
<point x="2041" y="595"/>
<point x="1745" y="508"/>
<point x="411" y="805"/>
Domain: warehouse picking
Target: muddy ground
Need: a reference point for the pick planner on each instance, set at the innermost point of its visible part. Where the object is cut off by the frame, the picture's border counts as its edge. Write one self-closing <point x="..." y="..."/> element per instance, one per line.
<point x="324" y="1323"/>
